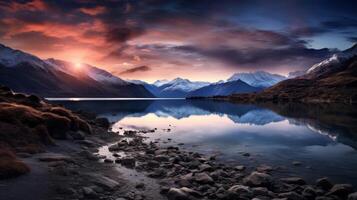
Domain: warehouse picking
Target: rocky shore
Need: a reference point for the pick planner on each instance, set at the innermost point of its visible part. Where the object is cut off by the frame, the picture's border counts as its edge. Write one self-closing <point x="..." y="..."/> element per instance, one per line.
<point x="50" y="152"/>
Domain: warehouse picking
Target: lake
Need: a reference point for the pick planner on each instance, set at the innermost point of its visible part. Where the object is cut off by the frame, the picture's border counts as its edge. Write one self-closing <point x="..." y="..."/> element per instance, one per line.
<point x="321" y="137"/>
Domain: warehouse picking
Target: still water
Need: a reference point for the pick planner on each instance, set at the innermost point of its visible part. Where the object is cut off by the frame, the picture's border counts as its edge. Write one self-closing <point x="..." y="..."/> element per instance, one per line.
<point x="323" y="138"/>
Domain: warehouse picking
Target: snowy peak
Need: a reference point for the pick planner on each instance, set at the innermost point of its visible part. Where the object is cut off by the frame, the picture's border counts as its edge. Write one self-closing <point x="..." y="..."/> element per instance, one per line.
<point x="10" y="57"/>
<point x="258" y="78"/>
<point x="184" y="85"/>
<point x="160" y="83"/>
<point x="333" y="62"/>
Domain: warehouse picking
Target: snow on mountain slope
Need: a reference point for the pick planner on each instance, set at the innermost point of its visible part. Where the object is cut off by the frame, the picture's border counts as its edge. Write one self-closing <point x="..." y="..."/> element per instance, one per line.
<point x="258" y="78"/>
<point x="159" y="83"/>
<point x="10" y="57"/>
<point x="333" y="62"/>
<point x="184" y="85"/>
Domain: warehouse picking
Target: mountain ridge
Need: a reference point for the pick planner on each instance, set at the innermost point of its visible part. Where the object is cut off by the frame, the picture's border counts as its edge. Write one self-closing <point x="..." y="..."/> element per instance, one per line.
<point x="27" y="73"/>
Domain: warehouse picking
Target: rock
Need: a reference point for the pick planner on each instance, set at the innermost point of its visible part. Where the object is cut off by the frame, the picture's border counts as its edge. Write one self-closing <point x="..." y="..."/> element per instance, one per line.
<point x="293" y="180"/>
<point x="256" y="179"/>
<point x="264" y="168"/>
<point x="203" y="178"/>
<point x="140" y="185"/>
<point x="324" y="183"/>
<point x="291" y="196"/>
<point x="128" y="162"/>
<point x="205" y="167"/>
<point x="177" y="194"/>
<point x="54" y="157"/>
<point x="239" y="192"/>
<point x="260" y="191"/>
<point x="158" y="173"/>
<point x="352" y="196"/>
<point x="89" y="192"/>
<point x="77" y="135"/>
<point x="161" y="158"/>
<point x="108" y="160"/>
<point x="191" y="192"/>
<point x="102" y="122"/>
<point x="309" y="192"/>
<point x="296" y="163"/>
<point x="104" y="182"/>
<point x="153" y="164"/>
<point x="246" y="154"/>
<point x="114" y="147"/>
<point x="341" y="190"/>
<point x="240" y="168"/>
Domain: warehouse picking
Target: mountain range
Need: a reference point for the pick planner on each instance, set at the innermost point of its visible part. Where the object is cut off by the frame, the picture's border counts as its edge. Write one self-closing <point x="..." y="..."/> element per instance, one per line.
<point x="26" y="73"/>
<point x="236" y="84"/>
<point x="332" y="80"/>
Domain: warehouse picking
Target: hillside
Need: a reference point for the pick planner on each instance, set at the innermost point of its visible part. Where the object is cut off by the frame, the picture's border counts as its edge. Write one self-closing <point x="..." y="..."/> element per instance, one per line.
<point x="338" y="83"/>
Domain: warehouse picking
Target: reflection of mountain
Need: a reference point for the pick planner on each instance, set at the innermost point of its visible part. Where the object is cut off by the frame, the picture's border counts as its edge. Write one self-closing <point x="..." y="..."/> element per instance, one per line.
<point x="337" y="121"/>
<point x="257" y="117"/>
<point x="117" y="110"/>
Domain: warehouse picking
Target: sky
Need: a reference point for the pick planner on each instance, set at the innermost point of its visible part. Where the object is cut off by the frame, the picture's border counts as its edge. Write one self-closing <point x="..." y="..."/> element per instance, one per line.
<point x="205" y="40"/>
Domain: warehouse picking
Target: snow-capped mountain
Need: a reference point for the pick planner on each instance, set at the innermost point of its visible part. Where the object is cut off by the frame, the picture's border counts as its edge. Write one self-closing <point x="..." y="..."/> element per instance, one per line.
<point x="333" y="63"/>
<point x="258" y="78"/>
<point x="183" y="85"/>
<point x="176" y="88"/>
<point x="159" y="83"/>
<point x="224" y="89"/>
<point x="27" y="73"/>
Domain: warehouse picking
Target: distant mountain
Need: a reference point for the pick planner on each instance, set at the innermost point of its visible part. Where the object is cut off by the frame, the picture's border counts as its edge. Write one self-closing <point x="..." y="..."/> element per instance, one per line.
<point x="224" y="89"/>
<point x="176" y="88"/>
<point x="258" y="78"/>
<point x="27" y="73"/>
<point x="332" y="80"/>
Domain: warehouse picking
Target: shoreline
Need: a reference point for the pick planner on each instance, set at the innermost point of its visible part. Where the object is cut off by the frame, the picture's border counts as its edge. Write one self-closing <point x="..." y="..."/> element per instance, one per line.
<point x="132" y="169"/>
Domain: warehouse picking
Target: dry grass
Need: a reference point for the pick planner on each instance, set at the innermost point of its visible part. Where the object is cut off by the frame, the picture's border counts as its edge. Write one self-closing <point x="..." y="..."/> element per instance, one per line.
<point x="10" y="166"/>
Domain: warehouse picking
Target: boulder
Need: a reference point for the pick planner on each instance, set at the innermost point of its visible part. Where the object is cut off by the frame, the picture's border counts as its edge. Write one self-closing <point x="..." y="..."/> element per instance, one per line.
<point x="177" y="194"/>
<point x="293" y="180"/>
<point x="352" y="196"/>
<point x="239" y="192"/>
<point x="128" y="162"/>
<point x="291" y="196"/>
<point x="203" y="178"/>
<point x="324" y="183"/>
<point x="256" y="179"/>
<point x="341" y="190"/>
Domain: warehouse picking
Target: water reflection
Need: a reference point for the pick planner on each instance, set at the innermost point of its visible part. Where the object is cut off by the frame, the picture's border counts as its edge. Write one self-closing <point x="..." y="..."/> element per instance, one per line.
<point x="272" y="134"/>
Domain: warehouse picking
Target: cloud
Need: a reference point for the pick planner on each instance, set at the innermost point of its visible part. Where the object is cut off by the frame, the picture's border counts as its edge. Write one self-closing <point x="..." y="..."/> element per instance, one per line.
<point x="353" y="39"/>
<point x="135" y="70"/>
<point x="93" y="11"/>
<point x="122" y="34"/>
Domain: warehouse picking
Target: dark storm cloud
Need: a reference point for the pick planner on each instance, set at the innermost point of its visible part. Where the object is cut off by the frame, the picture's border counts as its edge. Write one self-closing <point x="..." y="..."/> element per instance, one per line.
<point x="257" y="57"/>
<point x="122" y="34"/>
<point x="136" y="69"/>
